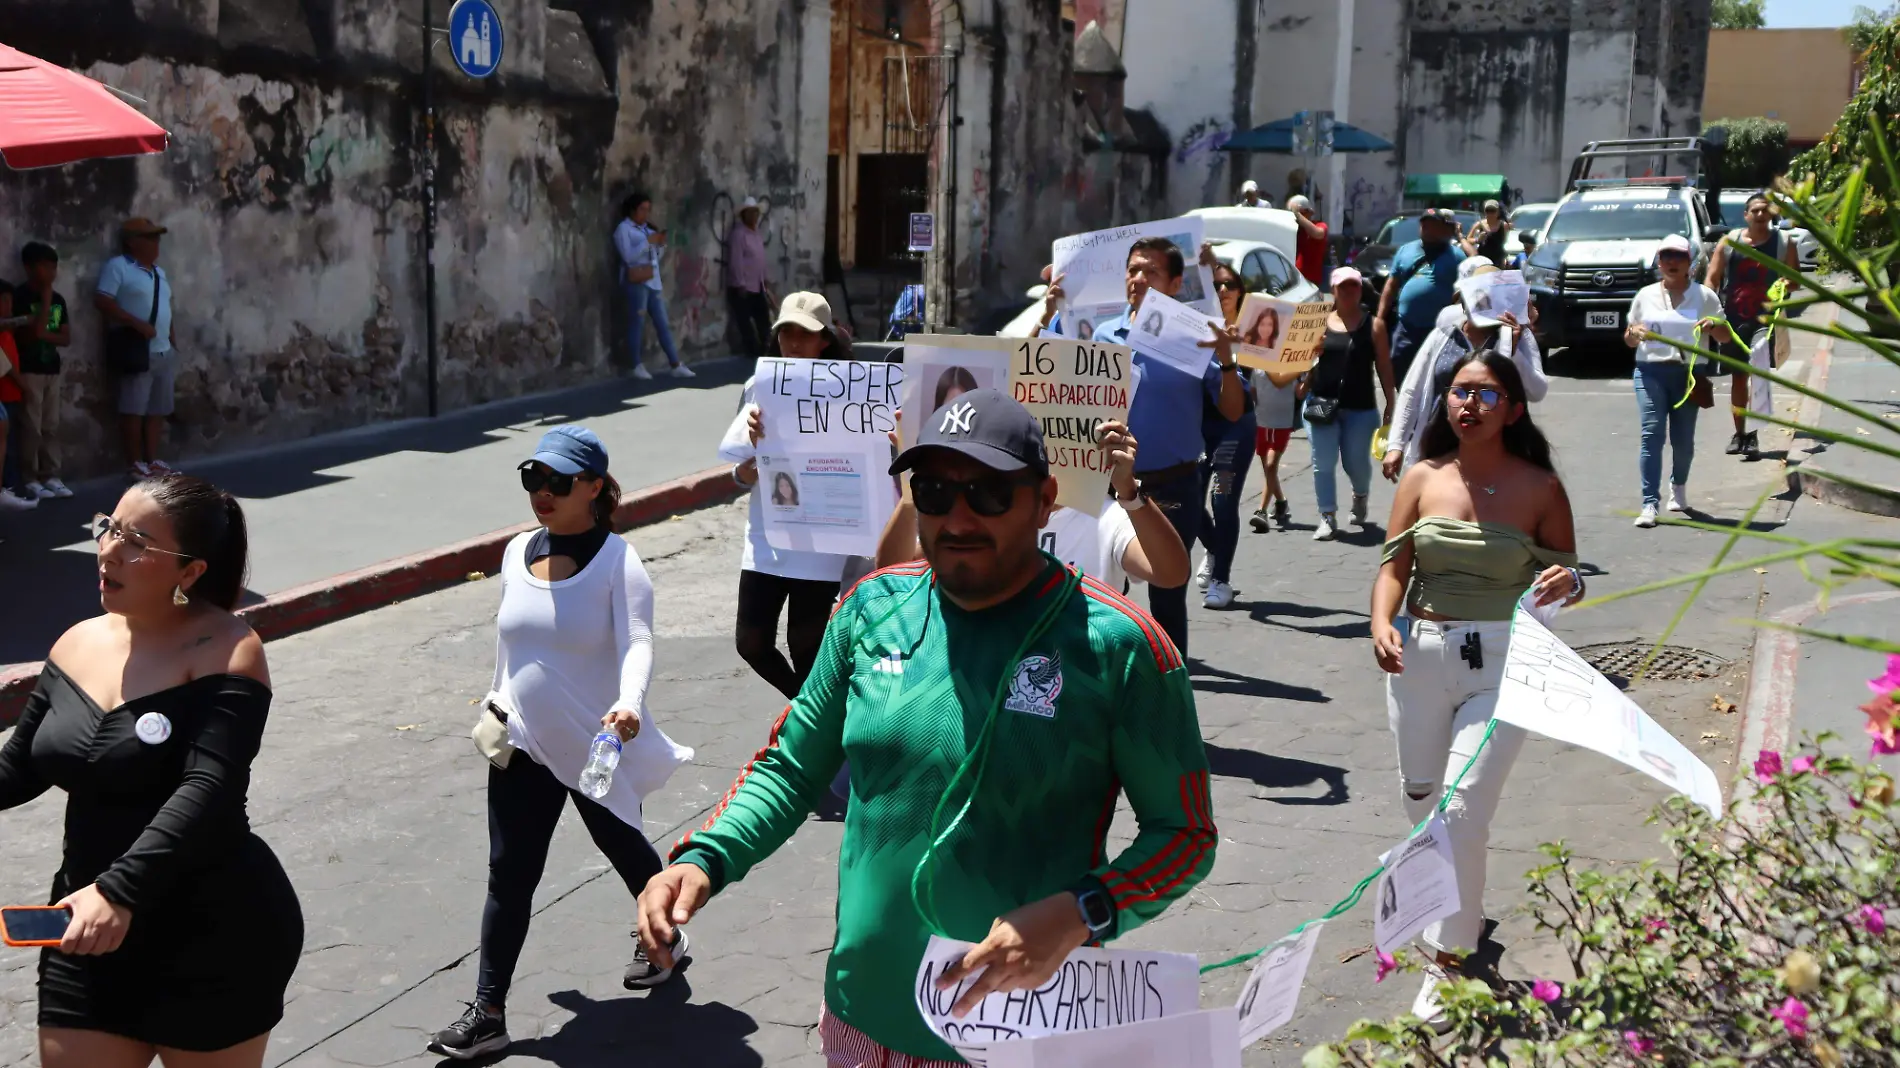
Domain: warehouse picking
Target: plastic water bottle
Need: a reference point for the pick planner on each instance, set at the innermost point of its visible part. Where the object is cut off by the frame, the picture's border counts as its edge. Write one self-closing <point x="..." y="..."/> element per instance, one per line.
<point x="602" y="758"/>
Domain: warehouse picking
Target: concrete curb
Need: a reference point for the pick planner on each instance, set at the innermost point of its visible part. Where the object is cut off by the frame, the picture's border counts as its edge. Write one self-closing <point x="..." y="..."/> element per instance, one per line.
<point x="1818" y="484"/>
<point x="327" y="600"/>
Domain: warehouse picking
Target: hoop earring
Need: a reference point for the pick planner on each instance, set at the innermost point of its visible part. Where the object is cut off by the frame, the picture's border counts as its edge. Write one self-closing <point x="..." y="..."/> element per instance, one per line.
<point x="178" y="596"/>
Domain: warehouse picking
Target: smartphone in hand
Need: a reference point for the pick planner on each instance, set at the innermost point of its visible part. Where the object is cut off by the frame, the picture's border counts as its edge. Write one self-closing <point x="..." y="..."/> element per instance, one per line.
<point x="34" y="925"/>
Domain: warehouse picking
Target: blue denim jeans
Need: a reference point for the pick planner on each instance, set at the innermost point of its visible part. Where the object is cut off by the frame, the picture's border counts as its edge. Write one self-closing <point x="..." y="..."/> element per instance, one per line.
<point x="1658" y="387"/>
<point x="643" y="302"/>
<point x="1224" y="471"/>
<point x="1344" y="442"/>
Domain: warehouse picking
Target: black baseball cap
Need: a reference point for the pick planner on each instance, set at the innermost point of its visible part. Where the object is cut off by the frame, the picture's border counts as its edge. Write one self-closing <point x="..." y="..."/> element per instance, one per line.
<point x="988" y="426"/>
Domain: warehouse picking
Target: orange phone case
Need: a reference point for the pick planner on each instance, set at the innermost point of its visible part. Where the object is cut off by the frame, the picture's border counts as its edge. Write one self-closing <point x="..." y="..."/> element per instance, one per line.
<point x="9" y="939"/>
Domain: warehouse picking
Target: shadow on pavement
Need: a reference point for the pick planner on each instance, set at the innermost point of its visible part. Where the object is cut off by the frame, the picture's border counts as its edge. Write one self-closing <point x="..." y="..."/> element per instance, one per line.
<point x="1279" y="773"/>
<point x="664" y="1027"/>
<point x="1270" y="613"/>
<point x="1210" y="679"/>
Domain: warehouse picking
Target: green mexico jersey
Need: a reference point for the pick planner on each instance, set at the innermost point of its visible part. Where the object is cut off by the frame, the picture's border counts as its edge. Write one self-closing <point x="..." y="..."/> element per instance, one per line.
<point x="1098" y="704"/>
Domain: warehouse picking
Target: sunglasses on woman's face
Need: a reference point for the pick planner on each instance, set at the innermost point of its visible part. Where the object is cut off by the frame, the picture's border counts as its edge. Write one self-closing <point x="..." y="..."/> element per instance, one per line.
<point x="989" y="496"/>
<point x="1488" y="398"/>
<point x="1230" y="284"/>
<point x="535" y="479"/>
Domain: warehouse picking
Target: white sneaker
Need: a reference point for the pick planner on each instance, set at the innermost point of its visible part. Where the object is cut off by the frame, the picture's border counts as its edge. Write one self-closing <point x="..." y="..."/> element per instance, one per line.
<point x="1205" y="573"/>
<point x="1359" y="509"/>
<point x="1678" y="498"/>
<point x="1219" y="595"/>
<point x="13" y="502"/>
<point x="1648" y="517"/>
<point x="683" y="371"/>
<point x="1328" y="527"/>
<point x="35" y="490"/>
<point x="1426" y="1006"/>
<point x="56" y="488"/>
<point x="640" y="372"/>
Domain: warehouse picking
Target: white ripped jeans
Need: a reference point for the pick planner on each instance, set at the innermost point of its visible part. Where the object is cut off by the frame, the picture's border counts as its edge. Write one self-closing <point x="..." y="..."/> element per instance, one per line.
<point x="1439" y="707"/>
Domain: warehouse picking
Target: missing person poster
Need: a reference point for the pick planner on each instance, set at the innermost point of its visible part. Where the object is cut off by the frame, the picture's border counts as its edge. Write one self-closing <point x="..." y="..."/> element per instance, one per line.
<point x="1094" y="272"/>
<point x="1489" y="297"/>
<point x="1071" y="387"/>
<point x="1280" y="336"/>
<point x="1170" y="330"/>
<point x="825" y="456"/>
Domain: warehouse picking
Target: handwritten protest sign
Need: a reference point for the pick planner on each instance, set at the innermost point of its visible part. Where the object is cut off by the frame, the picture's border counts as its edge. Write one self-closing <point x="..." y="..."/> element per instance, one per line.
<point x="1093" y="989"/>
<point x="1205" y="1039"/>
<point x="1549" y="689"/>
<point x="1072" y="388"/>
<point x="1418" y="886"/>
<point x="823" y="459"/>
<point x="1273" y="990"/>
<point x="941" y="367"/>
<point x="1170" y="330"/>
<point x="1094" y="271"/>
<point x="1281" y="336"/>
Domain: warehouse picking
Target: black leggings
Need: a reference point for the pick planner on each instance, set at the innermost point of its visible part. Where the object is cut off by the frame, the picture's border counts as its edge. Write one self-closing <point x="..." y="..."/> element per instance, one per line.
<point x="524" y="804"/>
<point x="761" y="598"/>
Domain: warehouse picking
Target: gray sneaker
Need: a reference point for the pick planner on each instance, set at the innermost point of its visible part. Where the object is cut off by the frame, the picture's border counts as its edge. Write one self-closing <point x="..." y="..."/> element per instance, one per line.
<point x="477" y="1034"/>
<point x="643" y="974"/>
<point x="1359" y="509"/>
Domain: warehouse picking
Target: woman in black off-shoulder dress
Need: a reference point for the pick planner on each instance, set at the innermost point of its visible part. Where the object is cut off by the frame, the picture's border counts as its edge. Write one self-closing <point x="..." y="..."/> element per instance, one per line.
<point x="185" y="930"/>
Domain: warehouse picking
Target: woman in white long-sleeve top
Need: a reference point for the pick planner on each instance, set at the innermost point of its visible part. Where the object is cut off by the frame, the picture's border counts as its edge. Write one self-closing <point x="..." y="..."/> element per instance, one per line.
<point x="1458" y="333"/>
<point x="573" y="655"/>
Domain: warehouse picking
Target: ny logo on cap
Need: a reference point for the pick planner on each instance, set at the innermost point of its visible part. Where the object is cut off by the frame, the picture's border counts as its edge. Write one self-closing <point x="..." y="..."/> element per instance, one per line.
<point x="957" y="419"/>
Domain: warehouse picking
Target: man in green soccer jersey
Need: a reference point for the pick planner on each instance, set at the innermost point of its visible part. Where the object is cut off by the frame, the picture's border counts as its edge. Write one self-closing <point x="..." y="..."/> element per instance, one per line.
<point x="995" y="703"/>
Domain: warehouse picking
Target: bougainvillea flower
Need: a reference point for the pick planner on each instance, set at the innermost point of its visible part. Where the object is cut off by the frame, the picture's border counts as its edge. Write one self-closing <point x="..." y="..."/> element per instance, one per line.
<point x="1889" y="682"/>
<point x="1386" y="966"/>
<point x="1803" y="764"/>
<point x="1546" y="991"/>
<point x="1793" y="1016"/>
<point x="1873" y="918"/>
<point x="1656" y="926"/>
<point x="1767" y="765"/>
<point x="1637" y="1043"/>
<point x="1883" y="724"/>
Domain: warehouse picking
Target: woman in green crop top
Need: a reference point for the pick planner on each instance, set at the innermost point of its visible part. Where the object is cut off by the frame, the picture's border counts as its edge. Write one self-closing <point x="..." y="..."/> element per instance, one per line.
<point x="1481" y="519"/>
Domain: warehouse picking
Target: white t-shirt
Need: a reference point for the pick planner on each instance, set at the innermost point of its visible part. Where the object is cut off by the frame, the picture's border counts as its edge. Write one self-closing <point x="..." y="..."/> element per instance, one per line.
<point x="1093" y="544"/>
<point x="759" y="555"/>
<point x="1653" y="308"/>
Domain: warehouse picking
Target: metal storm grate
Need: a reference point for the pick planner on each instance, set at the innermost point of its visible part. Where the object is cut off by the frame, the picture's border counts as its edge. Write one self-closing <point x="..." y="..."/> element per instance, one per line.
<point x="1672" y="663"/>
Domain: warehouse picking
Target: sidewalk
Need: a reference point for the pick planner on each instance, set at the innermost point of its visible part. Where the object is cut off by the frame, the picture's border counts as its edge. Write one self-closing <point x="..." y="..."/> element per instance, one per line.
<point x="341" y="503"/>
<point x="1838" y="474"/>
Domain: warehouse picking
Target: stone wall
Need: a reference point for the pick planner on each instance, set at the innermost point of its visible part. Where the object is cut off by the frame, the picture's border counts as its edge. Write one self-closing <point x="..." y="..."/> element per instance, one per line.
<point x="293" y="194"/>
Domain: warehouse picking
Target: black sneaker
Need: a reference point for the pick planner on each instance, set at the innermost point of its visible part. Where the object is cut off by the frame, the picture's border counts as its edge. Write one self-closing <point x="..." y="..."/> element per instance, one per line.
<point x="643" y="974"/>
<point x="477" y="1034"/>
<point x="1259" y="521"/>
<point x="1735" y="445"/>
<point x="1751" y="446"/>
<point x="1282" y="514"/>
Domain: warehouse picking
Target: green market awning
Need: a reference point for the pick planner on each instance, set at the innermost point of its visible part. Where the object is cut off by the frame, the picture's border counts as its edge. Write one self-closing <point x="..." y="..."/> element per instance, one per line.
<point x="1454" y="185"/>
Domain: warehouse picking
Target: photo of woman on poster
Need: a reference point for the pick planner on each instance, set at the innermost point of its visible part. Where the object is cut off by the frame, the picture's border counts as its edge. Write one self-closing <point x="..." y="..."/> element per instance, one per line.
<point x="1264" y="330"/>
<point x="953" y="383"/>
<point x="785" y="490"/>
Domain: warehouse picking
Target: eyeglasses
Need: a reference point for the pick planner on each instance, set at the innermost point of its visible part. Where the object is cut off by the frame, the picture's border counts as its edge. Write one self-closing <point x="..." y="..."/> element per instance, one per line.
<point x="989" y="496"/>
<point x="535" y="479"/>
<point x="136" y="544"/>
<point x="1488" y="398"/>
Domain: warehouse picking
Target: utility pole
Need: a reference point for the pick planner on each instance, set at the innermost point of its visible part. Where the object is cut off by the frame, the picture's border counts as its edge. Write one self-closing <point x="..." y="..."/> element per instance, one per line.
<point x="428" y="193"/>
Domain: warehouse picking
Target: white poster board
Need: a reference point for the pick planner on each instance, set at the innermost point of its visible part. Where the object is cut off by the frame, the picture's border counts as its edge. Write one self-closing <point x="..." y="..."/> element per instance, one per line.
<point x="825" y="456"/>
<point x="1272" y="992"/>
<point x="1093" y="989"/>
<point x="1094" y="271"/>
<point x="1169" y="330"/>
<point x="941" y="367"/>
<point x="1418" y="887"/>
<point x="1489" y="296"/>
<point x="1549" y="689"/>
<point x="1206" y="1039"/>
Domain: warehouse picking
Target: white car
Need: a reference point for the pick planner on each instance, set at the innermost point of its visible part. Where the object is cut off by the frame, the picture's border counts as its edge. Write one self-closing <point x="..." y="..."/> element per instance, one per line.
<point x="1269" y="226"/>
<point x="1262" y="266"/>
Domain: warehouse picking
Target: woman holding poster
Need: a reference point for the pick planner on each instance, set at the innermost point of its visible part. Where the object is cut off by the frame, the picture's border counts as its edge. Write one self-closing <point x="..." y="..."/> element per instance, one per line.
<point x="1482" y="518"/>
<point x="1342" y="412"/>
<point x="802" y="586"/>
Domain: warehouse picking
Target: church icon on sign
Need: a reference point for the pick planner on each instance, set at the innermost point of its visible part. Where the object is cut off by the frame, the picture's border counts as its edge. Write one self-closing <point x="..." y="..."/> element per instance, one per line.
<point x="477" y="48"/>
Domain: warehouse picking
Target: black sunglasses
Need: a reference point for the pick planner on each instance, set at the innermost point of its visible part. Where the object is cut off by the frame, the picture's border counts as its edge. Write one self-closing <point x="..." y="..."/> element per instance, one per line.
<point x="989" y="496"/>
<point x="535" y="479"/>
<point x="1228" y="283"/>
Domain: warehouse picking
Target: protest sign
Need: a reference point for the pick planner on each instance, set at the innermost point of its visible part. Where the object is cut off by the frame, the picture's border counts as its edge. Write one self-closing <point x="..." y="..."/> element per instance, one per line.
<point x="1094" y="271"/>
<point x="1171" y="331"/>
<point x="941" y="367"/>
<point x="1273" y="990"/>
<point x="1418" y="886"/>
<point x="1092" y="989"/>
<point x="824" y="457"/>
<point x="1549" y="689"/>
<point x="1281" y="336"/>
<point x="1488" y="297"/>
<point x="1205" y="1039"/>
<point x="1072" y="388"/>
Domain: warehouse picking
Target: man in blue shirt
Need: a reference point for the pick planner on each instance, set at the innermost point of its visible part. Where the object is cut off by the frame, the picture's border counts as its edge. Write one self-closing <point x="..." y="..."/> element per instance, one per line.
<point x="134" y="293"/>
<point x="1166" y="415"/>
<point x="1423" y="282"/>
<point x="640" y="245"/>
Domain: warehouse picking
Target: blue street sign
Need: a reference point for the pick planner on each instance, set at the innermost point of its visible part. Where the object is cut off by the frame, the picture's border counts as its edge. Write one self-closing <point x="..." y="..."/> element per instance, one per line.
<point x="475" y="37"/>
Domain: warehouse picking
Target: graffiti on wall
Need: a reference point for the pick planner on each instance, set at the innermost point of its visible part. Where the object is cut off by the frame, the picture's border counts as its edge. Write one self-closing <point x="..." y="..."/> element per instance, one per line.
<point x="1369" y="203"/>
<point x="1203" y="138"/>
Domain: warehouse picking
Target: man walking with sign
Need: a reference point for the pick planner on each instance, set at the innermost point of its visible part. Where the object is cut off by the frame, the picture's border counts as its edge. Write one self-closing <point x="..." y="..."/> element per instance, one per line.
<point x="993" y="705"/>
<point x="1168" y="408"/>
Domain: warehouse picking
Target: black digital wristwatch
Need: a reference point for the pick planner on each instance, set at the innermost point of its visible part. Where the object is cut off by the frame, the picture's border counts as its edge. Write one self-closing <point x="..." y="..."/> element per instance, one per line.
<point x="1098" y="912"/>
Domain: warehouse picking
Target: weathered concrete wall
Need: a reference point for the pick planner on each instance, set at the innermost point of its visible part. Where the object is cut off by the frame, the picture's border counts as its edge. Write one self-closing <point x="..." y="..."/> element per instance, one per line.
<point x="293" y="195"/>
<point x="1179" y="74"/>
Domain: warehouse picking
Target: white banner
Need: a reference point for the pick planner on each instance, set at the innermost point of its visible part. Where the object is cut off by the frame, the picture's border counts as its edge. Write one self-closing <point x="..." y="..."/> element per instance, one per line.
<point x="1419" y="886"/>
<point x="1549" y="689"/>
<point x="825" y="457"/>
<point x="1094" y="271"/>
<point x="1206" y="1039"/>
<point x="1273" y="990"/>
<point x="1093" y="989"/>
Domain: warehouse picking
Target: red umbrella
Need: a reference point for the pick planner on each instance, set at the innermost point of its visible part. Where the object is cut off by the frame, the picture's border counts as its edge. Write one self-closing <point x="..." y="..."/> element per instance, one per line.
<point x="54" y="116"/>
